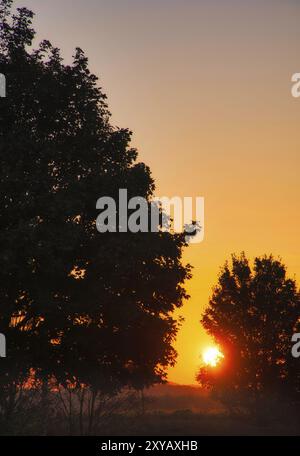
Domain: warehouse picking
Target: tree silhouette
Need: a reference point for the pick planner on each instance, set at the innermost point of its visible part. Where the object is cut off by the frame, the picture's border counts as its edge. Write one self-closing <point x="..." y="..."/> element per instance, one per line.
<point x="76" y="305"/>
<point x="252" y="315"/>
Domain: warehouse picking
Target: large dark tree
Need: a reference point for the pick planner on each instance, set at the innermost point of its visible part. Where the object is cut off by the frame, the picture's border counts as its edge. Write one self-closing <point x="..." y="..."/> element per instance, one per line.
<point x="77" y="305"/>
<point x="252" y="315"/>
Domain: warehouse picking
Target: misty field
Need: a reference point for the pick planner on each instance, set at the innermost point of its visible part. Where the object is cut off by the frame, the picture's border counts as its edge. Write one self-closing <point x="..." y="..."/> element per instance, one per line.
<point x="161" y="410"/>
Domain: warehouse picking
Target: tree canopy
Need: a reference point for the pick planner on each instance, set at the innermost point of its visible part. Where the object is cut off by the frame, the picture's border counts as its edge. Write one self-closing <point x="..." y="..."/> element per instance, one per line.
<point x="252" y="315"/>
<point x="77" y="305"/>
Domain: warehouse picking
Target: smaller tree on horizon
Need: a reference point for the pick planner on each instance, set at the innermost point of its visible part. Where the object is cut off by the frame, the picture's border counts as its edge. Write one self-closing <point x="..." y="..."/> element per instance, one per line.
<point x="252" y="315"/>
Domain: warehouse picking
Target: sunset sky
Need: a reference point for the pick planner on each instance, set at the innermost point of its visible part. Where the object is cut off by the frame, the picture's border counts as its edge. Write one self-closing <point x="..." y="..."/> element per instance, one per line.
<point x="205" y="86"/>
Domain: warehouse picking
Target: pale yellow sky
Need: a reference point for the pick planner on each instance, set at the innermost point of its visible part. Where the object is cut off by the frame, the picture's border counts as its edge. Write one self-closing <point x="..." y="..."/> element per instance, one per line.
<point x="205" y="87"/>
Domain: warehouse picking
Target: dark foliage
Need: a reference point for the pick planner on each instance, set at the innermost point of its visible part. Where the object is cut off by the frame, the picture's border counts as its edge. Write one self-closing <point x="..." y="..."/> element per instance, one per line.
<point x="76" y="305"/>
<point x="252" y="315"/>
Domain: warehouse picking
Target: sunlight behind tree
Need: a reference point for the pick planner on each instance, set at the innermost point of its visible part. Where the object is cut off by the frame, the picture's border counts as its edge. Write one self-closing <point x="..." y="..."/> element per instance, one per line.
<point x="212" y="356"/>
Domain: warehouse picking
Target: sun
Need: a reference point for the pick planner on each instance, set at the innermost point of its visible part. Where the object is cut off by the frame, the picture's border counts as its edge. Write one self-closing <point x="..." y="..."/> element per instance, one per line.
<point x="212" y="356"/>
